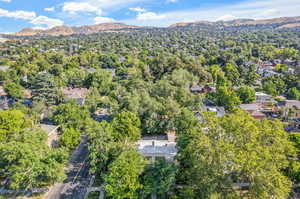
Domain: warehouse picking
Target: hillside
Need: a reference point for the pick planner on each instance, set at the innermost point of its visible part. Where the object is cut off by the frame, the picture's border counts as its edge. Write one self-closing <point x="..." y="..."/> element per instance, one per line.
<point x="241" y="24"/>
<point x="67" y="30"/>
<point x="284" y="22"/>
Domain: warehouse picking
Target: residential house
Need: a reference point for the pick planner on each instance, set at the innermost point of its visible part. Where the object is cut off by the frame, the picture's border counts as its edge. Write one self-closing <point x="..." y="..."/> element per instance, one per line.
<point x="5" y="102"/>
<point x="158" y="147"/>
<point x="218" y="110"/>
<point x="77" y="94"/>
<point x="4" y="68"/>
<point x="254" y="109"/>
<point x="263" y="98"/>
<point x="208" y="89"/>
<point x="196" y="89"/>
<point x="295" y="104"/>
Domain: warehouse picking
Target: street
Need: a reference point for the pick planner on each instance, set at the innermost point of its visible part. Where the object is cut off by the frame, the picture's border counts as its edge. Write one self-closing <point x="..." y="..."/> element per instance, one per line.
<point x="75" y="185"/>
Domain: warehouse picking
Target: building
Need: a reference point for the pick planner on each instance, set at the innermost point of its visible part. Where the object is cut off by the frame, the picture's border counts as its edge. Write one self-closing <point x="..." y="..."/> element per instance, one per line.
<point x="218" y="110"/>
<point x="263" y="98"/>
<point x="77" y="94"/>
<point x="196" y="89"/>
<point x="290" y="104"/>
<point x="4" y="68"/>
<point x="158" y="147"/>
<point x="254" y="109"/>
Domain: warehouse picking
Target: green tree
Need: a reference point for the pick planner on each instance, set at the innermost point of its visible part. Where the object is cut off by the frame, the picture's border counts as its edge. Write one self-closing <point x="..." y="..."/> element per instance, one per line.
<point x="126" y="126"/>
<point x="71" y="115"/>
<point x="70" y="138"/>
<point x="217" y="156"/>
<point x="14" y="90"/>
<point x="27" y="162"/>
<point x="232" y="74"/>
<point x="122" y="180"/>
<point x="12" y="122"/>
<point x="246" y="94"/>
<point x="44" y="89"/>
<point x="159" y="178"/>
<point x="227" y="98"/>
<point x="102" y="79"/>
<point x="293" y="93"/>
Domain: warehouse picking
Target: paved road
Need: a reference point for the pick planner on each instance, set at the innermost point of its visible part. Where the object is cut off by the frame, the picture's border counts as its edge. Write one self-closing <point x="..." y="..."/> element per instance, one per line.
<point x="75" y="185"/>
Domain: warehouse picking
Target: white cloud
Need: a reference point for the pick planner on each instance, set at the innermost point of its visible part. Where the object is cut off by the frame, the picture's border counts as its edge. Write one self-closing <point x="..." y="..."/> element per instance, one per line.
<point x="19" y="14"/>
<point x="7" y="1"/>
<point x="268" y="13"/>
<point x="227" y="17"/>
<point x="51" y="9"/>
<point x="46" y="22"/>
<point x="149" y="16"/>
<point x="75" y="7"/>
<point x="98" y="20"/>
<point x="138" y="9"/>
<point x="172" y="1"/>
<point x="256" y="9"/>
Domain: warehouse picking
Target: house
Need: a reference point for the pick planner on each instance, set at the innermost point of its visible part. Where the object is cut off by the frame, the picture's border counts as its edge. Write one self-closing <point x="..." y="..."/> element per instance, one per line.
<point x="208" y="89"/>
<point x="5" y="102"/>
<point x="196" y="89"/>
<point x="218" y="110"/>
<point x="101" y="115"/>
<point x="77" y="94"/>
<point x="93" y="70"/>
<point x="4" y="68"/>
<point x="263" y="98"/>
<point x="53" y="135"/>
<point x="254" y="109"/>
<point x="158" y="147"/>
<point x="291" y="104"/>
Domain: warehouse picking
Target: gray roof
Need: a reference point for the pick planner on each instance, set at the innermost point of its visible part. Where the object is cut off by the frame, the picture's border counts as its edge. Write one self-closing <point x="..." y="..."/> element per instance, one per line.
<point x="157" y="148"/>
<point x="290" y="103"/>
<point x="219" y="110"/>
<point x="250" y="107"/>
<point x="4" y="68"/>
<point x="49" y="128"/>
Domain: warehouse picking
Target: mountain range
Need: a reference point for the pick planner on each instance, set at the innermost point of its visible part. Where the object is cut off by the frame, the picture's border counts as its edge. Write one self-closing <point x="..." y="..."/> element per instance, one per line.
<point x="276" y="23"/>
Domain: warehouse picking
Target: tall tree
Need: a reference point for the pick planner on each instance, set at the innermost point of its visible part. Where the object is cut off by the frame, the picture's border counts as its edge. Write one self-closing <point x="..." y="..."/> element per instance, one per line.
<point x="45" y="89"/>
<point x="221" y="155"/>
<point x="122" y="180"/>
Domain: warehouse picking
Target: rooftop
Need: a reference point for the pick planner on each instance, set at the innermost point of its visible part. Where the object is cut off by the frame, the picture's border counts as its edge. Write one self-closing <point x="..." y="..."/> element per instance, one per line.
<point x="49" y="128"/>
<point x="250" y="107"/>
<point x="157" y="148"/>
<point x="75" y="93"/>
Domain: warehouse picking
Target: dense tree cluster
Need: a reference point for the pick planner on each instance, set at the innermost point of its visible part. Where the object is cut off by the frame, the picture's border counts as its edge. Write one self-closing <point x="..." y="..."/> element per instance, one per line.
<point x="149" y="83"/>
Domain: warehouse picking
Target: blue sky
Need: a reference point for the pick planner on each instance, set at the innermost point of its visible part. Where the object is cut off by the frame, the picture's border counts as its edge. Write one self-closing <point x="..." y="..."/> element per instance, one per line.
<point x="42" y="14"/>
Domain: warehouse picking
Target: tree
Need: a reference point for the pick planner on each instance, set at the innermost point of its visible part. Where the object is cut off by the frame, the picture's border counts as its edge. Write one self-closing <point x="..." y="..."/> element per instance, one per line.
<point x="246" y="94"/>
<point x="126" y="126"/>
<point x="14" y="90"/>
<point x="227" y="98"/>
<point x="70" y="138"/>
<point x="274" y="85"/>
<point x="159" y="178"/>
<point x="12" y="122"/>
<point x="232" y="74"/>
<point x="27" y="162"/>
<point x="122" y="180"/>
<point x="219" y="154"/>
<point x="293" y="93"/>
<point x="102" y="79"/>
<point x="71" y="115"/>
<point x="44" y="89"/>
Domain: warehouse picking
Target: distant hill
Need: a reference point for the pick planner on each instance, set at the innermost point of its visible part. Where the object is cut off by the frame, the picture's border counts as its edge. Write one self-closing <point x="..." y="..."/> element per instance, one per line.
<point x="237" y="24"/>
<point x="284" y="22"/>
<point x="67" y="30"/>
